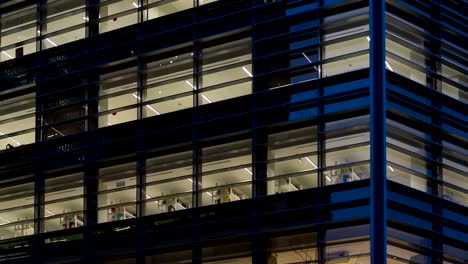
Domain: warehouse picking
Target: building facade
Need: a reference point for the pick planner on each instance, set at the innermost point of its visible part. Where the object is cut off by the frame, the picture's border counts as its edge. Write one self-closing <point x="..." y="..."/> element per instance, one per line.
<point x="233" y="131"/>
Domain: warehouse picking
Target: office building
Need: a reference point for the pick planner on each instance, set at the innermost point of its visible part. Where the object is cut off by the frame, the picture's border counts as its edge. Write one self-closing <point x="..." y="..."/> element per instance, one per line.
<point x="233" y="131"/>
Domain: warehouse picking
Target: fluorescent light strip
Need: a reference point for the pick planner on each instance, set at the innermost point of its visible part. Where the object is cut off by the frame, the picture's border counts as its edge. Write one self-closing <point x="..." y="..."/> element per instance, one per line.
<point x="247" y="71"/>
<point x="48" y="211"/>
<point x="136" y="96"/>
<point x="190" y="180"/>
<point x="390" y="168"/>
<point x="311" y="162"/>
<point x="135" y="5"/>
<point x="307" y="58"/>
<point x="4" y="219"/>
<point x="368" y="38"/>
<point x="109" y="124"/>
<point x="209" y="194"/>
<point x="249" y="171"/>
<point x="191" y="85"/>
<point x="328" y="178"/>
<point x="6" y="54"/>
<point x="388" y="66"/>
<point x="57" y="131"/>
<point x="51" y="42"/>
<point x="206" y="98"/>
<point x="12" y="139"/>
<point x="152" y="109"/>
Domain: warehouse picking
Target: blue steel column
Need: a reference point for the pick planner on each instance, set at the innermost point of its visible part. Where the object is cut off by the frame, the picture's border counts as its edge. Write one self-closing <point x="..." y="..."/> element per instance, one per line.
<point x="378" y="134"/>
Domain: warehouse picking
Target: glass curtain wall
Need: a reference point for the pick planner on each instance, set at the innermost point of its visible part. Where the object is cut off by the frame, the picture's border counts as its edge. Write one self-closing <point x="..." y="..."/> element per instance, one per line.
<point x="347" y="150"/>
<point x="17" y="210"/>
<point x="63" y="208"/>
<point x="169" y="82"/>
<point x="345" y="41"/>
<point x="117" y="192"/>
<point x="118" y="95"/>
<point x="65" y="22"/>
<point x="425" y="46"/>
<point x="292" y="160"/>
<point x="17" y="120"/>
<point x="226" y="173"/>
<point x="168" y="183"/>
<point x="18" y="32"/>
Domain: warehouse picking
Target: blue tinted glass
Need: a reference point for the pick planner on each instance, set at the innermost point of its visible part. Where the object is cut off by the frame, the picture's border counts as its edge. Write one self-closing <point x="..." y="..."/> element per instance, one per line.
<point x="450" y="232"/>
<point x="301" y="114"/>
<point x="406" y="218"/>
<point x="344" y="87"/>
<point x="349" y="195"/>
<point x="350" y="213"/>
<point x="455" y="216"/>
<point x="341" y="106"/>
<point x="409" y="201"/>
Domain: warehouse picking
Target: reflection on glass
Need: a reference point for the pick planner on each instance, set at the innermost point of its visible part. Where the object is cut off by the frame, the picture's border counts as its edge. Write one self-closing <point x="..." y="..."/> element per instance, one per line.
<point x="17" y="121"/>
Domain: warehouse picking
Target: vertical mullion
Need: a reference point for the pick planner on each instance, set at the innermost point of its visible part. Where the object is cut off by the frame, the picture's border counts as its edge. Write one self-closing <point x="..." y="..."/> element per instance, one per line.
<point x="378" y="132"/>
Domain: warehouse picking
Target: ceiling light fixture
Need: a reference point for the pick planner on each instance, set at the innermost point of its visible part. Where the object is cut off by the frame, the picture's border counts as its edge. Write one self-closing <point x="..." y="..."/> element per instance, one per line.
<point x="388" y="66"/>
<point x="48" y="211"/>
<point x="12" y="139"/>
<point x="152" y="109"/>
<point x="247" y="71"/>
<point x="4" y="219"/>
<point x="390" y="168"/>
<point x="307" y="58"/>
<point x="51" y="42"/>
<point x="206" y="98"/>
<point x="249" y="171"/>
<point x="311" y="162"/>
<point x="191" y="85"/>
<point x="136" y="96"/>
<point x="328" y="178"/>
<point x="135" y="5"/>
<point x="6" y="54"/>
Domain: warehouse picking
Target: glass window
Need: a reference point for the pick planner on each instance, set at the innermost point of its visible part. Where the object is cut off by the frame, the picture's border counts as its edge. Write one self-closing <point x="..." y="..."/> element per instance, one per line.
<point x="406" y="169"/>
<point x="118" y="96"/>
<point x="226" y="72"/>
<point x="404" y="254"/>
<point x="292" y="160"/>
<point x="355" y="252"/>
<point x="169" y="84"/>
<point x="17" y="120"/>
<point x="17" y="210"/>
<point x="346" y="42"/>
<point x="226" y="173"/>
<point x="168" y="183"/>
<point x="117" y="14"/>
<point x="158" y="8"/>
<point x="456" y="196"/>
<point x="117" y="193"/>
<point x="68" y="17"/>
<point x="63" y="202"/>
<point x="347" y="150"/>
<point x="17" y="33"/>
